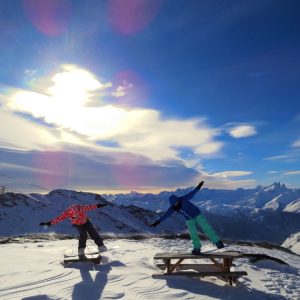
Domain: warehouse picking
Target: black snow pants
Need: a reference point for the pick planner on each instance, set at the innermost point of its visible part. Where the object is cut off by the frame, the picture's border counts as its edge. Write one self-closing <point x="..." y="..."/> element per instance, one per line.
<point x="84" y="230"/>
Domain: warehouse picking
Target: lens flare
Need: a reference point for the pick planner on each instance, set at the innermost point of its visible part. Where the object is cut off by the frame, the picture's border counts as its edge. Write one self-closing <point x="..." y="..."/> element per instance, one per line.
<point x="131" y="89"/>
<point x="132" y="16"/>
<point x="49" y="17"/>
<point x="128" y="175"/>
<point x="58" y="167"/>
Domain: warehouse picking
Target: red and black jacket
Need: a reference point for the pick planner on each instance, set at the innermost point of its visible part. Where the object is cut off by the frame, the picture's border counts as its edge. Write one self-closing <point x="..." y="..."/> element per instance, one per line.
<point x="76" y="213"/>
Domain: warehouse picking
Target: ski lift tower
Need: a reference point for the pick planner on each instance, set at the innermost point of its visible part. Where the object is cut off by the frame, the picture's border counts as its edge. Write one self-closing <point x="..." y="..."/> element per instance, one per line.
<point x="2" y="189"/>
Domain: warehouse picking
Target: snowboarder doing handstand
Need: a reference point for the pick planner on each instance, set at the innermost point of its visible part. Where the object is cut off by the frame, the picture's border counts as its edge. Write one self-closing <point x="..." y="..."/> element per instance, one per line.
<point x="79" y="219"/>
<point x="193" y="217"/>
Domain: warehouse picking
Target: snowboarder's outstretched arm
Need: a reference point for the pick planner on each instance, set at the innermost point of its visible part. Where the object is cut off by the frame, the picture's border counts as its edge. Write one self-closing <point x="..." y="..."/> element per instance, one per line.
<point x="166" y="214"/>
<point x="72" y="212"/>
<point x="92" y="206"/>
<point x="58" y="219"/>
<point x="191" y="194"/>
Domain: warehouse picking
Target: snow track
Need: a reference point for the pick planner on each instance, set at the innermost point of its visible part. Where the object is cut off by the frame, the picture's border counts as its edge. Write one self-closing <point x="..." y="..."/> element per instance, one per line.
<point x="34" y="270"/>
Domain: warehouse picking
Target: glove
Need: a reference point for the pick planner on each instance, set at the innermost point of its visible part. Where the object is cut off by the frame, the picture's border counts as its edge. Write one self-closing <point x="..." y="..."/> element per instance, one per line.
<point x="100" y="198"/>
<point x="154" y="224"/>
<point x="101" y="205"/>
<point x="45" y="224"/>
<point x="199" y="186"/>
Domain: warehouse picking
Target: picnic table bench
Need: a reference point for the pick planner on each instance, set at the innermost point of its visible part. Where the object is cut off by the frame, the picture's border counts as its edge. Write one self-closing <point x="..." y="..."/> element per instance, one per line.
<point x="220" y="266"/>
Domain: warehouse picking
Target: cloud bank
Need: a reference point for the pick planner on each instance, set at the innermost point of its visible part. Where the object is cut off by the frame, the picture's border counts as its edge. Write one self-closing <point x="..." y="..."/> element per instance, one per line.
<point x="68" y="123"/>
<point x="64" y="105"/>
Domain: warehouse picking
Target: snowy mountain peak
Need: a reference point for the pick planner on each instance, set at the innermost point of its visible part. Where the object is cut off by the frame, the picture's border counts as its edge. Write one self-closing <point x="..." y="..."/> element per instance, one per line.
<point x="276" y="186"/>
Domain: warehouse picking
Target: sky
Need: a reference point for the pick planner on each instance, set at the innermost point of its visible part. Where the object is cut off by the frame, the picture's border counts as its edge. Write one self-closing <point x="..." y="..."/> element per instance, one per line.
<point x="121" y="95"/>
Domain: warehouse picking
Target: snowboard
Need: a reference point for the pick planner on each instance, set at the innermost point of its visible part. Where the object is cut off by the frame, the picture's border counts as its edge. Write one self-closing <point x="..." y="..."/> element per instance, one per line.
<point x="216" y="249"/>
<point x="91" y="255"/>
<point x="94" y="251"/>
<point x="71" y="256"/>
<point x="94" y="258"/>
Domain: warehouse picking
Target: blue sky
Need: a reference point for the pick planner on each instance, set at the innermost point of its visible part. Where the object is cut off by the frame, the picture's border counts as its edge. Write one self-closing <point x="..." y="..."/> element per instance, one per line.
<point x="123" y="95"/>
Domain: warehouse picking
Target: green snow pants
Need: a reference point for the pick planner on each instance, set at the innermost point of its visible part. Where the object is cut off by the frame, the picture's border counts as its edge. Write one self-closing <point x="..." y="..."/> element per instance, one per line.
<point x="206" y="228"/>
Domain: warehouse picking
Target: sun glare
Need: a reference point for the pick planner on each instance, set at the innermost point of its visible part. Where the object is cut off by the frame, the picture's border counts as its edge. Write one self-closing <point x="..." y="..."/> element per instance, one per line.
<point x="65" y="103"/>
<point x="74" y="86"/>
<point x="71" y="100"/>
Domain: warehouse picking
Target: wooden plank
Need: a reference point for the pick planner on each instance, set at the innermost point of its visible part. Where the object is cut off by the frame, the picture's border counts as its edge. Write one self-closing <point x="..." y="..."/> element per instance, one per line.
<point x="174" y="266"/>
<point x="234" y="274"/>
<point x="196" y="267"/>
<point x="219" y="265"/>
<point x="199" y="268"/>
<point x="178" y="255"/>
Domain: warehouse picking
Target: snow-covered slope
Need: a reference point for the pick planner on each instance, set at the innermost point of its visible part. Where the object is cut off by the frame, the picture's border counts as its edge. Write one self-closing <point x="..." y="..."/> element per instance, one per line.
<point x="293" y="207"/>
<point x="33" y="271"/>
<point x="274" y="204"/>
<point x="21" y="214"/>
<point x="293" y="243"/>
<point x="233" y="214"/>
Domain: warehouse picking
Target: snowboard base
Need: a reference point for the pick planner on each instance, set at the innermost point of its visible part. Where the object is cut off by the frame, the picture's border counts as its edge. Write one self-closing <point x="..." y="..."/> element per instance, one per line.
<point x="96" y="259"/>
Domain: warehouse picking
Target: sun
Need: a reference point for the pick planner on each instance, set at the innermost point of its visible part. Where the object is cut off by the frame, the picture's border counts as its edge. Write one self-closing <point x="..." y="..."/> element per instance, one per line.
<point x="64" y="103"/>
<point x="73" y="86"/>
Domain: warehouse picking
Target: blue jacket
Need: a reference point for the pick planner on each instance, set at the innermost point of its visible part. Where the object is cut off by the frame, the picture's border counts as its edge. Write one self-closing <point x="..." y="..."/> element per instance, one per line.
<point x="182" y="205"/>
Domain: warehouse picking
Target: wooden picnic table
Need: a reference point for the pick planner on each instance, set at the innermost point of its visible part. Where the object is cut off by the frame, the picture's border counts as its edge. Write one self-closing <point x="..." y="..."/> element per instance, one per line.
<point x="220" y="266"/>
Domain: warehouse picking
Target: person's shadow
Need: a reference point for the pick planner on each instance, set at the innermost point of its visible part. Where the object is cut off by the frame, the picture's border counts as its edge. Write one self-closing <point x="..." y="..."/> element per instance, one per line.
<point x="90" y="288"/>
<point x="210" y="289"/>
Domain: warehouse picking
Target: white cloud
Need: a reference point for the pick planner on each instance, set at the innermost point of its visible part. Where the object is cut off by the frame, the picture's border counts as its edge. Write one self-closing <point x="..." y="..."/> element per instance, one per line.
<point x="146" y="152"/>
<point x="222" y="180"/>
<point x="18" y="167"/>
<point x="292" y="173"/>
<point x="232" y="184"/>
<point x="289" y="156"/>
<point x="121" y="90"/>
<point x="296" y="144"/>
<point x="102" y="170"/>
<point x="136" y="130"/>
<point x="209" y="148"/>
<point x="278" y="157"/>
<point x="273" y="172"/>
<point x="23" y="134"/>
<point x="228" y="174"/>
<point x="242" y="131"/>
<point x="17" y="132"/>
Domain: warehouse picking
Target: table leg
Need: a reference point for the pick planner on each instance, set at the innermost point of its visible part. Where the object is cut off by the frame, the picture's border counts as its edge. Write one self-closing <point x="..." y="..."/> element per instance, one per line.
<point x="227" y="263"/>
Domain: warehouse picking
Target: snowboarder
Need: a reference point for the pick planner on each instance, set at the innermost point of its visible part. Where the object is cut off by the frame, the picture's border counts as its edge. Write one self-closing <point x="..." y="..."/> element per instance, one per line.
<point x="193" y="216"/>
<point x="81" y="222"/>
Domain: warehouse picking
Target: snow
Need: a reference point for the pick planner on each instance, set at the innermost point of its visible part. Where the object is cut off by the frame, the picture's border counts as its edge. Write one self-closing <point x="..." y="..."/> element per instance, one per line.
<point x="273" y="204"/>
<point x="224" y="202"/>
<point x="33" y="270"/>
<point x="31" y="267"/>
<point x="293" y="243"/>
<point x="293" y="207"/>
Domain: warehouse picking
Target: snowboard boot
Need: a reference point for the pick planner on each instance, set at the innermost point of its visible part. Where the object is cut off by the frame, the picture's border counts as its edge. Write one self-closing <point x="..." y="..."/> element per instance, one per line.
<point x="196" y="251"/>
<point x="102" y="248"/>
<point x="219" y="244"/>
<point x="81" y="255"/>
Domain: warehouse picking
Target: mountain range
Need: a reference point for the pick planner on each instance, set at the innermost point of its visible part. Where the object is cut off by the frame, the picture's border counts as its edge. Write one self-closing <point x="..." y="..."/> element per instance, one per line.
<point x="270" y="213"/>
